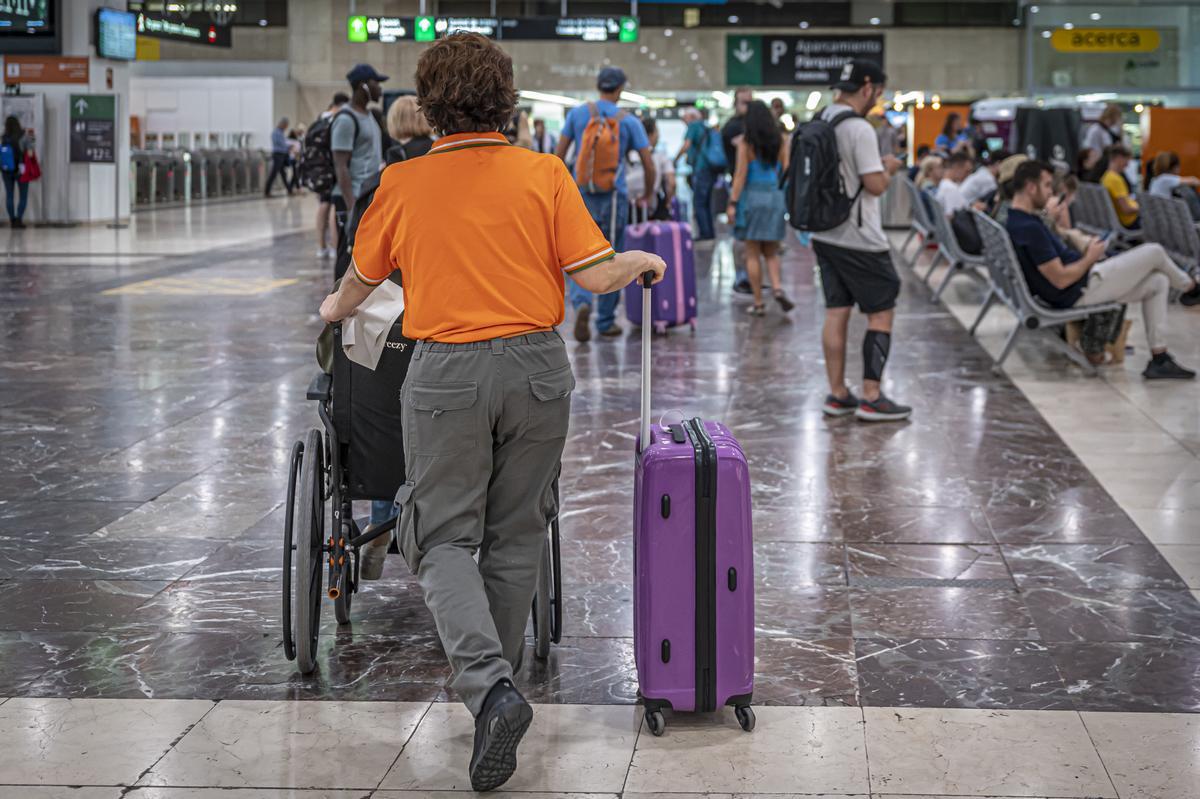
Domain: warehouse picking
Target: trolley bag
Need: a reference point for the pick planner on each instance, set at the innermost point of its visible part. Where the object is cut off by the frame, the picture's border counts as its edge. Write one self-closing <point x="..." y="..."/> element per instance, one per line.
<point x="674" y="299"/>
<point x="693" y="562"/>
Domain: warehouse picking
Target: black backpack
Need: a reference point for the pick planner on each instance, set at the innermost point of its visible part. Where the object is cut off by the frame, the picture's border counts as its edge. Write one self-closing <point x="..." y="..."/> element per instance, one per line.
<point x="813" y="186"/>
<point x="316" y="159"/>
<point x="962" y="224"/>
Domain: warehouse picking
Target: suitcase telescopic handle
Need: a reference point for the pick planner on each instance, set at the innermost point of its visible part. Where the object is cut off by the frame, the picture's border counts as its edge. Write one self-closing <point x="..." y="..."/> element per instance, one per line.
<point x="647" y="282"/>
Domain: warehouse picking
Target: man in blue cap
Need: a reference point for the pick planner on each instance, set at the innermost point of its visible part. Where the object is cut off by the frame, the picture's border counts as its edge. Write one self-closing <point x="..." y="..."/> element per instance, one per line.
<point x="609" y="209"/>
<point x="356" y="142"/>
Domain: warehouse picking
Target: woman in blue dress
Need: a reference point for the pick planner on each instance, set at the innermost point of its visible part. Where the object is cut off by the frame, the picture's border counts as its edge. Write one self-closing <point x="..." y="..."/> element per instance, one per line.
<point x="756" y="202"/>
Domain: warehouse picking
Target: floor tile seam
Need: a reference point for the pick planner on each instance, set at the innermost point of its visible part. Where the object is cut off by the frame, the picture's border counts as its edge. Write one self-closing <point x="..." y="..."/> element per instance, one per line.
<point x="396" y="759"/>
<point x="637" y="739"/>
<point x="1099" y="754"/>
<point x="1064" y="439"/>
<point x="213" y="704"/>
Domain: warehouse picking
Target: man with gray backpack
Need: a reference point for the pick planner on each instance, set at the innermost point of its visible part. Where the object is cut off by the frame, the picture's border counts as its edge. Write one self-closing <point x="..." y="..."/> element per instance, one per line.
<point x="834" y="181"/>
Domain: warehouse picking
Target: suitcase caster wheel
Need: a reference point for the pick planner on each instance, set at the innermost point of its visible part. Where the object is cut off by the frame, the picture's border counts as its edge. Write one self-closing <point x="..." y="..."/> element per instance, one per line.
<point x="745" y="717"/>
<point x="656" y="723"/>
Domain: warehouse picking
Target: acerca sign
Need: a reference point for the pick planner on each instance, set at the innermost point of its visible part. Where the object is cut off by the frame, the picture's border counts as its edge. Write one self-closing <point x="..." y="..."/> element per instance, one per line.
<point x="1105" y="40"/>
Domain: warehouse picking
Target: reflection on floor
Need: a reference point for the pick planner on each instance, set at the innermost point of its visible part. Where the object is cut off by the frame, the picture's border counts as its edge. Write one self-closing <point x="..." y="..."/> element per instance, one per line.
<point x="916" y="582"/>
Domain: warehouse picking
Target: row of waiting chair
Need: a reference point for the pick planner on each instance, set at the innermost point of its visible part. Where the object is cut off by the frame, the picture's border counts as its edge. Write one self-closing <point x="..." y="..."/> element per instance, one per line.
<point x="1165" y="221"/>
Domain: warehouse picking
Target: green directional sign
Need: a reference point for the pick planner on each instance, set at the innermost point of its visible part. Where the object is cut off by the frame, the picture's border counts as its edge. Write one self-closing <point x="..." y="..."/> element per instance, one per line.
<point x="356" y="29"/>
<point x="93" y="128"/>
<point x="424" y="29"/>
<point x="629" y="29"/>
<point x="743" y="60"/>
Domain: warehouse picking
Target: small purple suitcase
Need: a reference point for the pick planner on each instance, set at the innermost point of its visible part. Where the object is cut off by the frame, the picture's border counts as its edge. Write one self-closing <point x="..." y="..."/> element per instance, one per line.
<point x="674" y="299"/>
<point x="693" y="561"/>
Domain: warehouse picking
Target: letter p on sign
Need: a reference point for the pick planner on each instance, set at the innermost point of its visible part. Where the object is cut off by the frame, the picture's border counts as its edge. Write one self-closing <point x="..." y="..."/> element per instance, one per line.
<point x="778" y="50"/>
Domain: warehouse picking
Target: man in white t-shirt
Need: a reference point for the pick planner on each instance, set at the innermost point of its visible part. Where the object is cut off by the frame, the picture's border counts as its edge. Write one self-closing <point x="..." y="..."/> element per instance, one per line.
<point x="854" y="258"/>
<point x="982" y="182"/>
<point x="949" y="191"/>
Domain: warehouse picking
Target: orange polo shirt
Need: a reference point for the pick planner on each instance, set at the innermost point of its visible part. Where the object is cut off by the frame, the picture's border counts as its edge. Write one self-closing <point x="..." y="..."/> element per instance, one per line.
<point x="483" y="234"/>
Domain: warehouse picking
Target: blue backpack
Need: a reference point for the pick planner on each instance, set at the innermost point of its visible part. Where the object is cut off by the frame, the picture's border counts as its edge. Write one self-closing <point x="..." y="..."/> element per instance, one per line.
<point x="714" y="150"/>
<point x="8" y="157"/>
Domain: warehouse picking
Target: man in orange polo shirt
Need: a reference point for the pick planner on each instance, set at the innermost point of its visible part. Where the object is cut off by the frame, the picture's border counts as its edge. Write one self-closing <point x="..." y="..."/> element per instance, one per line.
<point x="483" y="234"/>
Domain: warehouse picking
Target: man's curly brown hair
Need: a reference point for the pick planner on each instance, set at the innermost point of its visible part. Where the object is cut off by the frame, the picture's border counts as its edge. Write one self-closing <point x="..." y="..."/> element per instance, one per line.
<point x="465" y="85"/>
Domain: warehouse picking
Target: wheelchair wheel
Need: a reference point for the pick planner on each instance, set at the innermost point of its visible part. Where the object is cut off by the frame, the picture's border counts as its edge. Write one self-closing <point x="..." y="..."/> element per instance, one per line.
<point x="341" y="605"/>
<point x="309" y="534"/>
<point x="289" y="641"/>
<point x="543" y="606"/>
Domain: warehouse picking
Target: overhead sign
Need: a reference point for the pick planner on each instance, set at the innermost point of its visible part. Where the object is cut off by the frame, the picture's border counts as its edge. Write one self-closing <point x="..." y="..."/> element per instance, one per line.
<point x="794" y="60"/>
<point x="427" y="29"/>
<point x="93" y="128"/>
<point x="45" y="69"/>
<point x="1105" y="40"/>
<point x="196" y="29"/>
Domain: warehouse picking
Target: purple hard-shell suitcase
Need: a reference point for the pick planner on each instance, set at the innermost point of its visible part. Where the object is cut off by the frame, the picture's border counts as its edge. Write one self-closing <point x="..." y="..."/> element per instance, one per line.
<point x="693" y="561"/>
<point x="673" y="300"/>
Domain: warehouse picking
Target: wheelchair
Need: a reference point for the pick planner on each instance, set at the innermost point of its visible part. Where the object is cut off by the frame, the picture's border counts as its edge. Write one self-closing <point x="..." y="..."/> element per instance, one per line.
<point x="359" y="456"/>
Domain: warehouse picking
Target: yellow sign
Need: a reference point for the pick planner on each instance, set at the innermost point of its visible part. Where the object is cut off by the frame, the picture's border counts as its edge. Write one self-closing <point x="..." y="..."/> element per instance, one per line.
<point x="1105" y="40"/>
<point x="148" y="49"/>
<point x="208" y="286"/>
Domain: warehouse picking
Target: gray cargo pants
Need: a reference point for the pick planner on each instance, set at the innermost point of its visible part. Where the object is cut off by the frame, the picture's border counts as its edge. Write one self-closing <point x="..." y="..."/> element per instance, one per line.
<point x="484" y="429"/>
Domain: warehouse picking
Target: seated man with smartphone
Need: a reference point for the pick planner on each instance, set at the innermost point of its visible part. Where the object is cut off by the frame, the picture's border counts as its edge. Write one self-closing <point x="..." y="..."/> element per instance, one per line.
<point x="1065" y="278"/>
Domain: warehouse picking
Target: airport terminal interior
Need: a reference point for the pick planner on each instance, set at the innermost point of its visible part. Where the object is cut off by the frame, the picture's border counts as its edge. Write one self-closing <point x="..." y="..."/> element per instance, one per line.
<point x="984" y="583"/>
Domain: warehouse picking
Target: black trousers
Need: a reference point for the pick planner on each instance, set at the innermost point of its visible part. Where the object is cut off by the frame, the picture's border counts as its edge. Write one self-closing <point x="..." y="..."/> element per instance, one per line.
<point x="278" y="162"/>
<point x="342" y="260"/>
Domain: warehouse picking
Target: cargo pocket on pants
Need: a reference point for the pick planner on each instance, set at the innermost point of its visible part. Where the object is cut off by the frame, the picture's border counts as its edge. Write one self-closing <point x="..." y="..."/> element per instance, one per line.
<point x="443" y="417"/>
<point x="550" y="404"/>
<point x="406" y="527"/>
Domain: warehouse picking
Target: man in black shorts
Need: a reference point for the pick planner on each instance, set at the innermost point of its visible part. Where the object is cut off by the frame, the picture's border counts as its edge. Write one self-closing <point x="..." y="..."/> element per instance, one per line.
<point x="856" y="265"/>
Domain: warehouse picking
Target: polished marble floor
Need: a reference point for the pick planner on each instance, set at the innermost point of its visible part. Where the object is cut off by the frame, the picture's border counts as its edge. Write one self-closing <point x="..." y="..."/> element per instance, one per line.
<point x="964" y="604"/>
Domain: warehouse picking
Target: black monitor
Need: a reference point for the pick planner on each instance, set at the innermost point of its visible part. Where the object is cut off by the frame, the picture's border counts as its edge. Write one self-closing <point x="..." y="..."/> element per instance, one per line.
<point x="116" y="34"/>
<point x="31" y="27"/>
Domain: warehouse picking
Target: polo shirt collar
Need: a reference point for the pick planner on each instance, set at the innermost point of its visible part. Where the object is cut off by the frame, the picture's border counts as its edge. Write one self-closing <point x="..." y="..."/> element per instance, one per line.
<point x="462" y="141"/>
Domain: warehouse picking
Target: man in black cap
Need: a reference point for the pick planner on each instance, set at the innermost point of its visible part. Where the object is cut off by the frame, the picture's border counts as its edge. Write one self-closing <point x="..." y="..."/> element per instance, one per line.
<point x="357" y="143"/>
<point x="854" y="257"/>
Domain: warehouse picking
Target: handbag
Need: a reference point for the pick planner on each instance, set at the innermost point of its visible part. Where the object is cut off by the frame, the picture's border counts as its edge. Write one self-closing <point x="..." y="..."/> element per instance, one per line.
<point x="31" y="170"/>
<point x="965" y="232"/>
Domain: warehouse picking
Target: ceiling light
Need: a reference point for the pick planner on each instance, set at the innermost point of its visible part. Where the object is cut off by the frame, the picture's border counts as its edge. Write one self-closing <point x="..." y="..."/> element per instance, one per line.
<point x="1139" y="108"/>
<point x="668" y="32"/>
<point x="695" y="56"/>
<point x="874" y="20"/>
<point x="814" y="99"/>
<point x="1070" y="26"/>
<point x="804" y="24"/>
<point x="543" y="97"/>
<point x="733" y="19"/>
<point x="1045" y="34"/>
<point x="898" y="106"/>
<point x="1033" y="9"/>
<point x="633" y="97"/>
<point x="1095" y="15"/>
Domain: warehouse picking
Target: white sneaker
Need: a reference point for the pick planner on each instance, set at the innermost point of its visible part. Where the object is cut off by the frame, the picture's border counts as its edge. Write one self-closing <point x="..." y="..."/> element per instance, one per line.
<point x="330" y="252"/>
<point x="322" y="252"/>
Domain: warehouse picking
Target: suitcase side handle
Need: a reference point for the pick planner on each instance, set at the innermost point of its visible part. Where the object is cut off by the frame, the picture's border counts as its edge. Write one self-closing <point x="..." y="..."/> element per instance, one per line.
<point x="647" y="282"/>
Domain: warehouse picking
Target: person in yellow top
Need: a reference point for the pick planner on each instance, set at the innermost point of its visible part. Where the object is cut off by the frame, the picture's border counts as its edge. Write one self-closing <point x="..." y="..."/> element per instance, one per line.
<point x="484" y="235"/>
<point x="1118" y="188"/>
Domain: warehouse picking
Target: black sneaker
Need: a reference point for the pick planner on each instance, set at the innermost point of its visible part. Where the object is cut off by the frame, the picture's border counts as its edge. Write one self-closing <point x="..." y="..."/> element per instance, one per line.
<point x="583" y="330"/>
<point x="743" y="287"/>
<point x="882" y="410"/>
<point x="840" y="407"/>
<point x="499" y="728"/>
<point x="1164" y="367"/>
<point x="1190" y="298"/>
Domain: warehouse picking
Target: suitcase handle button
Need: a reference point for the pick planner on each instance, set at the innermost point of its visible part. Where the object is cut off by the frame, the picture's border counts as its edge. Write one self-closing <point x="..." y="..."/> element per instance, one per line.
<point x="666" y="650"/>
<point x="666" y="506"/>
<point x="732" y="579"/>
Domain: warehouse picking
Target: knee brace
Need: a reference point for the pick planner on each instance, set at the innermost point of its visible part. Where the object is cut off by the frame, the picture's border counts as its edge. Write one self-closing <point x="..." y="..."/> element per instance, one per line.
<point x="876" y="346"/>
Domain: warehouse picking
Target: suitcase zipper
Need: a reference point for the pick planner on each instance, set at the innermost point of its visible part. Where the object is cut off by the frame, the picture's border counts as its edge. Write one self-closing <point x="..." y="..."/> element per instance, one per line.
<point x="706" y="566"/>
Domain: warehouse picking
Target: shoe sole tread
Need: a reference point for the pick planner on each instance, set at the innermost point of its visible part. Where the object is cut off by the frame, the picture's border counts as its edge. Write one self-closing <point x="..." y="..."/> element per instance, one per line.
<point x="498" y="760"/>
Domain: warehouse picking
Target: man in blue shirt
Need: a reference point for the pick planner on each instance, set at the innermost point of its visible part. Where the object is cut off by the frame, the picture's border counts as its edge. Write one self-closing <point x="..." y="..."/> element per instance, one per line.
<point x="704" y="175"/>
<point x="1063" y="278"/>
<point x="609" y="209"/>
<point x="279" y="157"/>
